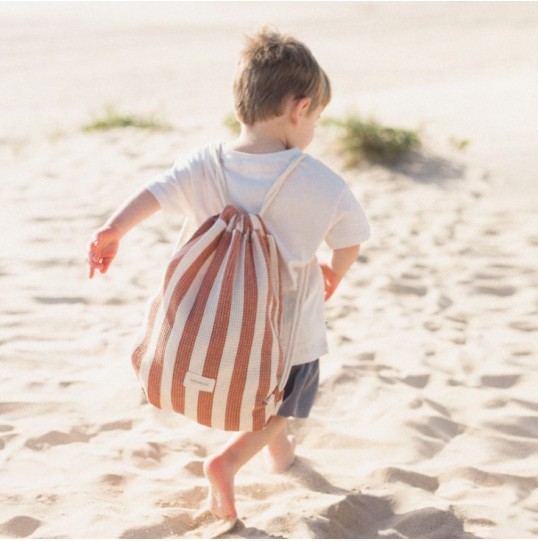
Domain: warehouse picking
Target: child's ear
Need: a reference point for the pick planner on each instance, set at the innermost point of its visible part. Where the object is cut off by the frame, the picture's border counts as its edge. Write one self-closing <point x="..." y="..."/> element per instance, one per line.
<point x="300" y="107"/>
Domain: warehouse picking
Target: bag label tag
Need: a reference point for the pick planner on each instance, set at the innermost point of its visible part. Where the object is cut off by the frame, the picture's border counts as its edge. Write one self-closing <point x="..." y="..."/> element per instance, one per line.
<point x="199" y="382"/>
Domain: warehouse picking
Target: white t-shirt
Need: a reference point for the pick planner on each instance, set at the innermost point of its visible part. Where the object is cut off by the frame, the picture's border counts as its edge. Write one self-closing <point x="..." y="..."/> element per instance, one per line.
<point x="314" y="205"/>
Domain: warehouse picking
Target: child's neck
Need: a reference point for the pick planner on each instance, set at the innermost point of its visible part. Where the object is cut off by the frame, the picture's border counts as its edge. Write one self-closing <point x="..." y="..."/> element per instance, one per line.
<point x="261" y="138"/>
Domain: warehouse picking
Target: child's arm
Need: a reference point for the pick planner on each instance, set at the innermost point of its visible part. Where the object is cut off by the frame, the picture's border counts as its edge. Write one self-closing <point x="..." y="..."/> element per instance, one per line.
<point x="341" y="261"/>
<point x="105" y="242"/>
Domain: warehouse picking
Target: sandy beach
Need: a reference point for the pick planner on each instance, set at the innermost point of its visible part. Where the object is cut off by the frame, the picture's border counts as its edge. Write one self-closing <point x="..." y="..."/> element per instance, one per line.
<point x="426" y="425"/>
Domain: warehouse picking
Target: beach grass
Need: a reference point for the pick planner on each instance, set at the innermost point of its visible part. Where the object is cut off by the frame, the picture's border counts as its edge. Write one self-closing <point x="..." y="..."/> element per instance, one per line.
<point x="359" y="139"/>
<point x="459" y="143"/>
<point x="112" y="119"/>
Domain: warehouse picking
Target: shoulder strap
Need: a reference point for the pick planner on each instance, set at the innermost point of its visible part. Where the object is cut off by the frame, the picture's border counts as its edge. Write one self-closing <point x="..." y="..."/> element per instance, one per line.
<point x="279" y="182"/>
<point x="273" y="191"/>
<point x="221" y="180"/>
<point x="289" y="353"/>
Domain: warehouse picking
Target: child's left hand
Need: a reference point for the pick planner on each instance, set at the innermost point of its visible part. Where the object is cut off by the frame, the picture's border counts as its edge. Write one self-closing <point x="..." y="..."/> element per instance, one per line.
<point x="330" y="280"/>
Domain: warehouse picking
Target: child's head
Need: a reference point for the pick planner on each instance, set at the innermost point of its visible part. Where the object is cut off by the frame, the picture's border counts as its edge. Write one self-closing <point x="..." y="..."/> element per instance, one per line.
<point x="273" y="68"/>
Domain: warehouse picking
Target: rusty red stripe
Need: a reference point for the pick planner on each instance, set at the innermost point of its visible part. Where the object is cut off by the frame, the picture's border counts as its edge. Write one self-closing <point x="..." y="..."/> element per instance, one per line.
<point x="237" y="384"/>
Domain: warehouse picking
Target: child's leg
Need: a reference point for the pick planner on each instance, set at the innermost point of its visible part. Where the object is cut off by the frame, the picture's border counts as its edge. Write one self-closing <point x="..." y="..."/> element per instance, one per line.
<point x="220" y="469"/>
<point x="279" y="453"/>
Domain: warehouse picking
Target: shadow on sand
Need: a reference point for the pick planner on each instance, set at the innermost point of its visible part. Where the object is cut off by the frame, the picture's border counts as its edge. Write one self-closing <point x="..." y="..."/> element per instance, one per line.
<point x="425" y="167"/>
<point x="363" y="516"/>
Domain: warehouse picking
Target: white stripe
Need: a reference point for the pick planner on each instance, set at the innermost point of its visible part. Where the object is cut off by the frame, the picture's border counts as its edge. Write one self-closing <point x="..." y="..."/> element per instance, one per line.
<point x="191" y="402"/>
<point x="275" y="305"/>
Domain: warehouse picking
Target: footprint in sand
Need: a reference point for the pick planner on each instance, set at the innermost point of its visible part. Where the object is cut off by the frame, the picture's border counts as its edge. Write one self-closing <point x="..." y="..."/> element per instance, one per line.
<point x="56" y="437"/>
<point x="21" y="526"/>
<point x="168" y="527"/>
<point x="437" y="428"/>
<point x="116" y="425"/>
<point x="523" y="426"/>
<point x="407" y="287"/>
<point x="195" y="467"/>
<point x="150" y="454"/>
<point x="206" y="526"/>
<point x="414" y="479"/>
<point x="419" y="380"/>
<point x="502" y="381"/>
<point x="533" y="406"/>
<point x="112" y="479"/>
<point x="496" y="291"/>
<point x="524" y="326"/>
<point x="60" y="300"/>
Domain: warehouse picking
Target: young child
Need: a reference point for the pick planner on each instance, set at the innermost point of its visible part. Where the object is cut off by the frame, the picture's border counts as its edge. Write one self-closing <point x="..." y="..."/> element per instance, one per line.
<point x="280" y="92"/>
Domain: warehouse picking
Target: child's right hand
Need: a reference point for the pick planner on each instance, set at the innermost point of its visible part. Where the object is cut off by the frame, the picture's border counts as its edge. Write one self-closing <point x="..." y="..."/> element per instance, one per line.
<point x="102" y="249"/>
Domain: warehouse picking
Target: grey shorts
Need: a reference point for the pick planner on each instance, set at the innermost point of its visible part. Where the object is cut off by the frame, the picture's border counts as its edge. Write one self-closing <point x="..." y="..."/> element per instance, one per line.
<point x="300" y="391"/>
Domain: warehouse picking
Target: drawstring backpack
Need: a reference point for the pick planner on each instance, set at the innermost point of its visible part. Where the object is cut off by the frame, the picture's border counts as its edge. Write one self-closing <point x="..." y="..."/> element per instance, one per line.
<point x="211" y="345"/>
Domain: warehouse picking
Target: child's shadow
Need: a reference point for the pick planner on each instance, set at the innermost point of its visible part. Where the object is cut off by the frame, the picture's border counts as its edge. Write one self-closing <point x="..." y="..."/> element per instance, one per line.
<point x="356" y="516"/>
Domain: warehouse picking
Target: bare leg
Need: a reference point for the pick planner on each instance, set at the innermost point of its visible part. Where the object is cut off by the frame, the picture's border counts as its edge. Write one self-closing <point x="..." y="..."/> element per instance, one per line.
<point x="220" y="469"/>
<point x="279" y="454"/>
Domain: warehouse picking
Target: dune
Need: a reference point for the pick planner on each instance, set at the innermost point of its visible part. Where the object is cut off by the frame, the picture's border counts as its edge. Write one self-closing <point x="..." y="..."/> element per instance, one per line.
<point x="426" y="424"/>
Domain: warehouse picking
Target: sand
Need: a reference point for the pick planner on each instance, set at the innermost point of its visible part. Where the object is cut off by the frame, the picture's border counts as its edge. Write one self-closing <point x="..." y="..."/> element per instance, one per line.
<point x="426" y="424"/>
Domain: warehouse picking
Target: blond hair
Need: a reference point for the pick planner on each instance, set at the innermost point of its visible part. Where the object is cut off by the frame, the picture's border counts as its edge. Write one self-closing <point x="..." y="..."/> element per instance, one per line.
<point x="273" y="68"/>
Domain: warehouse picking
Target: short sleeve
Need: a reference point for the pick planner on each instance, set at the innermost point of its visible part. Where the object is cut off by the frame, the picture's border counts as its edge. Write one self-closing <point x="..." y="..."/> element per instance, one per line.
<point x="173" y="189"/>
<point x="350" y="225"/>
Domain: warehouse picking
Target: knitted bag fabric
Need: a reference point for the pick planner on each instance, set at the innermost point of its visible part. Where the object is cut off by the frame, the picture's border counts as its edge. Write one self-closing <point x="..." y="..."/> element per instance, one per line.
<point x="211" y="346"/>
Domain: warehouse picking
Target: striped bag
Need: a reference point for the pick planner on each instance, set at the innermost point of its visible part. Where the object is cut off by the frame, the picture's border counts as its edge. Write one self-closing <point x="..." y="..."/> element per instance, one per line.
<point x="211" y="346"/>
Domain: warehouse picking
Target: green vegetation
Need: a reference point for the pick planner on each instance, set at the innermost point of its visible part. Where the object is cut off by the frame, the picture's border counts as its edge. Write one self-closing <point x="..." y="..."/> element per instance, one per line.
<point x="112" y="119"/>
<point x="369" y="140"/>
<point x="232" y="124"/>
<point x="459" y="144"/>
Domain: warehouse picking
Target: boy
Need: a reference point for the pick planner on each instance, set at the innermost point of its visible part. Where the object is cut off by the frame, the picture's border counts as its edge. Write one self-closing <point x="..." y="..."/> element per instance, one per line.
<point x="280" y="92"/>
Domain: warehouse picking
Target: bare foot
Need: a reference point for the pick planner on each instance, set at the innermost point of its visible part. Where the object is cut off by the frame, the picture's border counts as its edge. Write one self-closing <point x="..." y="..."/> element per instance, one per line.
<point x="221" y="499"/>
<point x="280" y="455"/>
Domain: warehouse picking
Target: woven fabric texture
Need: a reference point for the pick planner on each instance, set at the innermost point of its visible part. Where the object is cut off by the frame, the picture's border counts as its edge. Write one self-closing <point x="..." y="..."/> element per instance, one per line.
<point x="211" y="347"/>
